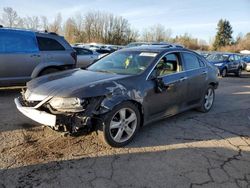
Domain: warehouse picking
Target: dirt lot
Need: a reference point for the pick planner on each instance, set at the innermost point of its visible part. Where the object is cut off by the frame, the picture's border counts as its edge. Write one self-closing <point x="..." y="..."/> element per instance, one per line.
<point x="188" y="150"/>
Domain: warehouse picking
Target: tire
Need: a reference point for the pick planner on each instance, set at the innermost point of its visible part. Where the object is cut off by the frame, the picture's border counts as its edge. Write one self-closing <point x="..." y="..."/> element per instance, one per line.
<point x="224" y="72"/>
<point x="238" y="73"/>
<point x="118" y="136"/>
<point x="207" y="100"/>
<point x="48" y="71"/>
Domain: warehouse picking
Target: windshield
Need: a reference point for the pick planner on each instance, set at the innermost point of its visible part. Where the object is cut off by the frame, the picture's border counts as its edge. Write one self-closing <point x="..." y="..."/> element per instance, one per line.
<point x="217" y="57"/>
<point x="124" y="62"/>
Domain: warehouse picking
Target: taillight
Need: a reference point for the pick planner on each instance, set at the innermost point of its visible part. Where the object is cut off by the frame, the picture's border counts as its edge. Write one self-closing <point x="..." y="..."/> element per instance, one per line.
<point x="73" y="54"/>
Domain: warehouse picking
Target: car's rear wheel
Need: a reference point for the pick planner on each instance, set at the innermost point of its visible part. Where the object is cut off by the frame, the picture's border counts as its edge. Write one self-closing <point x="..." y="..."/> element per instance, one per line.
<point x="224" y="72"/>
<point x="208" y="100"/>
<point x="120" y="125"/>
<point x="238" y="73"/>
<point x="48" y="71"/>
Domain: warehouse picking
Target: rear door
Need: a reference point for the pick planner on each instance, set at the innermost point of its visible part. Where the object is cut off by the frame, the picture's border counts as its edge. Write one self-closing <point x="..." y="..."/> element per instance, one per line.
<point x="196" y="72"/>
<point x="53" y="51"/>
<point x="237" y="61"/>
<point x="19" y="55"/>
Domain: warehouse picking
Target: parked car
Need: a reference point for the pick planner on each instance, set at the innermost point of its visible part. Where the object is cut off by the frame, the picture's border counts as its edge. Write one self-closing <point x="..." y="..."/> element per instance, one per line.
<point x="136" y="44"/>
<point x="86" y="56"/>
<point x="227" y="63"/>
<point x="27" y="54"/>
<point x="122" y="91"/>
<point x="246" y="63"/>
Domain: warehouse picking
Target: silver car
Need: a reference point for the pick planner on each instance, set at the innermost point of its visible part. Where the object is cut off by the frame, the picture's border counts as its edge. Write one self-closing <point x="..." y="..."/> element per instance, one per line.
<point x="86" y="57"/>
<point x="26" y="54"/>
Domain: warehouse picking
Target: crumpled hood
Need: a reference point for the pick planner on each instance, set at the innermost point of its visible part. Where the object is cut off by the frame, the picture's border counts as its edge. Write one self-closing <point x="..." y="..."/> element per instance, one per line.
<point x="72" y="83"/>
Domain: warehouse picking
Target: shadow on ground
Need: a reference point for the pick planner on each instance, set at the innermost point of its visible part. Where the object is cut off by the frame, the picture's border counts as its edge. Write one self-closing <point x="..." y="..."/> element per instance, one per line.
<point x="188" y="167"/>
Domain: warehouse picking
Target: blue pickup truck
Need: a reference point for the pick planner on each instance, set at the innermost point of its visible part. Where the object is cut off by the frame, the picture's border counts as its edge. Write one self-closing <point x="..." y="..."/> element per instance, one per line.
<point x="227" y="63"/>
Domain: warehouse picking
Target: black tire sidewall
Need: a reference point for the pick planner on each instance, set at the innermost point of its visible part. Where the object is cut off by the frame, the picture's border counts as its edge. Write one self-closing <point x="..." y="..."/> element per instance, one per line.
<point x="224" y="71"/>
<point x="239" y="72"/>
<point x="107" y="119"/>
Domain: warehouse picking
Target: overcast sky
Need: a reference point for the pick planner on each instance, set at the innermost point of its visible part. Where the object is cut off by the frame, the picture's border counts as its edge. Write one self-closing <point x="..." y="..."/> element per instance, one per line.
<point x="196" y="17"/>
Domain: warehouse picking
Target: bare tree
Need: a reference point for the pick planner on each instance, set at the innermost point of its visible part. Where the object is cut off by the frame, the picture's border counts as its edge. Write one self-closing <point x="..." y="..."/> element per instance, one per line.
<point x="156" y="33"/>
<point x="44" y="23"/>
<point x="69" y="30"/>
<point x="31" y="22"/>
<point x="10" y="17"/>
<point x="56" y="26"/>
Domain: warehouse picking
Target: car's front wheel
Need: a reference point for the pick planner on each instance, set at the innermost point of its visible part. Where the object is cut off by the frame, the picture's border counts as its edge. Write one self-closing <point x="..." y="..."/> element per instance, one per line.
<point x="224" y="72"/>
<point x="208" y="100"/>
<point x="120" y="125"/>
<point x="238" y="73"/>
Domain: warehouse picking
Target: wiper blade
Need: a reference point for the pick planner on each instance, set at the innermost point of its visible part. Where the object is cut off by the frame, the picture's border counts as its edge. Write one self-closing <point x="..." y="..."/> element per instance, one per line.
<point x="105" y="71"/>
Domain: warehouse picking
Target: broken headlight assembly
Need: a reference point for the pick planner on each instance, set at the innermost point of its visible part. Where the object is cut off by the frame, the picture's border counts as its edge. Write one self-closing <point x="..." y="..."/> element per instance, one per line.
<point x="67" y="104"/>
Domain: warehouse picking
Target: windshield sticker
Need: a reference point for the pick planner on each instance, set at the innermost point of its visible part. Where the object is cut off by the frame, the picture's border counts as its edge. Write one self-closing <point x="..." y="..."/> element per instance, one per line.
<point x="148" y="54"/>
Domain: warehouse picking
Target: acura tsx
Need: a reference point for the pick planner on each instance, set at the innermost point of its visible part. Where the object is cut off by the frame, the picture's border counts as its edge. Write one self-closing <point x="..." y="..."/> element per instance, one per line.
<point x="121" y="92"/>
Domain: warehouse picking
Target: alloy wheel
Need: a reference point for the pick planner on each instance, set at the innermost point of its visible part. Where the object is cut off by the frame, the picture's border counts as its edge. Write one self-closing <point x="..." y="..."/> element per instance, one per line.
<point x="209" y="99"/>
<point x="123" y="125"/>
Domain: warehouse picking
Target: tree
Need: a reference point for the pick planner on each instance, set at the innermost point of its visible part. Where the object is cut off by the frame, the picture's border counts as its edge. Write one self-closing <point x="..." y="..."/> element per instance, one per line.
<point x="56" y="26"/>
<point x="156" y="33"/>
<point x="224" y="34"/>
<point x="69" y="30"/>
<point x="10" y="17"/>
<point x="31" y="22"/>
<point x="44" y="23"/>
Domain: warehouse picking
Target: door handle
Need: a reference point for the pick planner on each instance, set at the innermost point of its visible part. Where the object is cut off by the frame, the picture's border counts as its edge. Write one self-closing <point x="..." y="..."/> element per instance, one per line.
<point x="204" y="72"/>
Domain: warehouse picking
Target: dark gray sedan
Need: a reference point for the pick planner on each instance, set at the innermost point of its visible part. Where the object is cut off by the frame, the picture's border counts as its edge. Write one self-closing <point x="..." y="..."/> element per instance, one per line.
<point x="122" y="91"/>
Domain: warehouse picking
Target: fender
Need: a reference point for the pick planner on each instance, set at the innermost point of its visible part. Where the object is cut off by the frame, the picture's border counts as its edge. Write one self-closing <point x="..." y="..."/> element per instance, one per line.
<point x="43" y="66"/>
<point x="117" y="95"/>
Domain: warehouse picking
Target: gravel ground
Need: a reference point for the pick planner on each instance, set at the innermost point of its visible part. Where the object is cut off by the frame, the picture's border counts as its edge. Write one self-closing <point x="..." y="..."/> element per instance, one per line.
<point x="188" y="150"/>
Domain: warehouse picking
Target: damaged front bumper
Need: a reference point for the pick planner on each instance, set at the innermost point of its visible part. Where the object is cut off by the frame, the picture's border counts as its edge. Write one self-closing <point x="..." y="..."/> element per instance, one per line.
<point x="36" y="115"/>
<point x="60" y="121"/>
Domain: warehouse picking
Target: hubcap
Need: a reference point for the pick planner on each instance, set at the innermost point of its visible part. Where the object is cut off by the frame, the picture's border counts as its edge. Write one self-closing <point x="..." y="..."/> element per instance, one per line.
<point x="123" y="125"/>
<point x="209" y="99"/>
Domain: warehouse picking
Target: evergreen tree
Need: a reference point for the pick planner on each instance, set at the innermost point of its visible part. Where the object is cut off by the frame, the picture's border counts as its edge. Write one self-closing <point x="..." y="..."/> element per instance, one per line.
<point x="224" y="34"/>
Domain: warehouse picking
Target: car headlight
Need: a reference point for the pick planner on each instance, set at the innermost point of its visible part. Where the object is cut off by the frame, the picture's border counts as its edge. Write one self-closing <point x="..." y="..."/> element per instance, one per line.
<point x="66" y="104"/>
<point x="218" y="64"/>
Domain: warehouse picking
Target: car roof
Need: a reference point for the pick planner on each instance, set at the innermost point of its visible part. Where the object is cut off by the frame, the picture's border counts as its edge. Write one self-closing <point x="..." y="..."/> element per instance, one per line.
<point x="156" y="48"/>
<point x="29" y="30"/>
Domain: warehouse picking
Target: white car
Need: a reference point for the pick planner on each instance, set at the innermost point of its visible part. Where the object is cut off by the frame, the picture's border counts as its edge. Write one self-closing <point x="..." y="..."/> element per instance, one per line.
<point x="86" y="57"/>
<point x="248" y="67"/>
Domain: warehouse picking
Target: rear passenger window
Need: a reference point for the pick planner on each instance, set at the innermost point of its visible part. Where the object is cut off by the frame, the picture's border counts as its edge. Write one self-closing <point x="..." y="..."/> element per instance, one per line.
<point x="191" y="61"/>
<point x="231" y="58"/>
<point x="47" y="44"/>
<point x="17" y="42"/>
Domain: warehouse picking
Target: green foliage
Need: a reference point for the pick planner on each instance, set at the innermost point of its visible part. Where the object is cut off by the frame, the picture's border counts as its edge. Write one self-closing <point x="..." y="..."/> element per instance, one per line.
<point x="224" y="34"/>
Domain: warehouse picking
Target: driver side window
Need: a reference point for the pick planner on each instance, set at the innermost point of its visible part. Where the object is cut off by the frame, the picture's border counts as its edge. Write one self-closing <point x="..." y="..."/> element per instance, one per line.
<point x="169" y="64"/>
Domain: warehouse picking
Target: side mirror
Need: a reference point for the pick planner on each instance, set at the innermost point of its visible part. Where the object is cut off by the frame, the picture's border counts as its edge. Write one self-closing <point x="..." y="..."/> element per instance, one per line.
<point x="160" y="86"/>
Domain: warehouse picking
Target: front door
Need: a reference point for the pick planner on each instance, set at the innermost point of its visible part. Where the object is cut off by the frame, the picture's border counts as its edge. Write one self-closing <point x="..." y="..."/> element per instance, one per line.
<point x="168" y="94"/>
